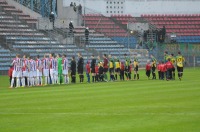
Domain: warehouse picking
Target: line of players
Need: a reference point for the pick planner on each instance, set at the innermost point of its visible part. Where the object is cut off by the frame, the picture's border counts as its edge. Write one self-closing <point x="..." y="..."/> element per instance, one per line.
<point x="30" y="72"/>
<point x="99" y="68"/>
<point x="54" y="69"/>
<point x="166" y="68"/>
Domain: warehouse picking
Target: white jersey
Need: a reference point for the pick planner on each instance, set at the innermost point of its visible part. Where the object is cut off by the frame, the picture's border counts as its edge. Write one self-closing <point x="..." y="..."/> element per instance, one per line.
<point x="55" y="67"/>
<point x="45" y="63"/>
<point x="39" y="64"/>
<point x="17" y="63"/>
<point x="25" y="65"/>
<point x="33" y="65"/>
<point x="65" y="64"/>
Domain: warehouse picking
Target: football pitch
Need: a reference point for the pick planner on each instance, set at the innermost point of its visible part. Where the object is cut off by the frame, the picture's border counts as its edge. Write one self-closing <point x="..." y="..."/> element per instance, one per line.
<point x="129" y="106"/>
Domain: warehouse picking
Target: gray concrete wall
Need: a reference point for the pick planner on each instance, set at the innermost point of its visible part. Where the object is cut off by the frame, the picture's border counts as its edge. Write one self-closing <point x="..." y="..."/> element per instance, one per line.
<point x="67" y="14"/>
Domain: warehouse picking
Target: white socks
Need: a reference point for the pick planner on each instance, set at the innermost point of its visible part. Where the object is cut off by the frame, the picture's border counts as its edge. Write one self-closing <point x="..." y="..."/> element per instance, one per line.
<point x="12" y="82"/>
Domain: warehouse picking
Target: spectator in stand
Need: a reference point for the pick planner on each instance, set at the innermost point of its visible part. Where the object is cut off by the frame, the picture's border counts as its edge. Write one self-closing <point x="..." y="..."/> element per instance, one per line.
<point x="75" y="7"/>
<point x="71" y="5"/>
<point x="163" y="33"/>
<point x="86" y="35"/>
<point x="80" y="9"/>
<point x="71" y="28"/>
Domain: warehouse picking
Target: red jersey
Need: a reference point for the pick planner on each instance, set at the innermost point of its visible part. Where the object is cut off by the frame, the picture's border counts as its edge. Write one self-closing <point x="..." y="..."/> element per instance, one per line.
<point x="169" y="65"/>
<point x="163" y="68"/>
<point x="122" y="66"/>
<point x="25" y="65"/>
<point x="105" y="63"/>
<point x="131" y="68"/>
<point x="10" y="71"/>
<point x="96" y="69"/>
<point x="158" y="67"/>
<point x="148" y="67"/>
<point x="87" y="68"/>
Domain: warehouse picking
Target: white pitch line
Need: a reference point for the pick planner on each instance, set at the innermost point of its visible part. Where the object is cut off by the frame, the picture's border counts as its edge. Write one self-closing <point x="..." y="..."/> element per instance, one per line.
<point x="102" y="114"/>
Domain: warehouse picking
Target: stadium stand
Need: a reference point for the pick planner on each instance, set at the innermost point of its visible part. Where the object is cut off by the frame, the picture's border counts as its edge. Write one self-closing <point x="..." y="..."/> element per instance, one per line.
<point x="185" y="26"/>
<point x="104" y="25"/>
<point x="111" y="28"/>
<point x="18" y="31"/>
<point x="123" y="18"/>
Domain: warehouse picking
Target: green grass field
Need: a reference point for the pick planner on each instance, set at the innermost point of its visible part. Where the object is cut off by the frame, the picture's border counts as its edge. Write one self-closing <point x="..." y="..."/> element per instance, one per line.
<point x="129" y="106"/>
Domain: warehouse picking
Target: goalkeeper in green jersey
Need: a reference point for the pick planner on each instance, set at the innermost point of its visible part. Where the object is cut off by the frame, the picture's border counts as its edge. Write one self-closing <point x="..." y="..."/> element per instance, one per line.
<point x="59" y="69"/>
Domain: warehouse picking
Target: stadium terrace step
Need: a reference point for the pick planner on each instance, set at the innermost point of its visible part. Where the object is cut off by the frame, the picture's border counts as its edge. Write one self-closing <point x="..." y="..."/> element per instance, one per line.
<point x="21" y="34"/>
<point x="16" y="30"/>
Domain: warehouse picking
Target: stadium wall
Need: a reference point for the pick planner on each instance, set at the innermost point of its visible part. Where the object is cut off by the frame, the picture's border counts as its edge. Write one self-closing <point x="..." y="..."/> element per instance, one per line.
<point x="67" y="14"/>
<point x="138" y="7"/>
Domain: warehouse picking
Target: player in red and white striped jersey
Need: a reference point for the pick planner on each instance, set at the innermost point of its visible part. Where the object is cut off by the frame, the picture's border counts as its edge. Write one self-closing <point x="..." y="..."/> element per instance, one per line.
<point x="24" y="70"/>
<point x="52" y="67"/>
<point x="17" y="72"/>
<point x="32" y="71"/>
<point x="65" y="69"/>
<point x="39" y="70"/>
<point x="45" y="63"/>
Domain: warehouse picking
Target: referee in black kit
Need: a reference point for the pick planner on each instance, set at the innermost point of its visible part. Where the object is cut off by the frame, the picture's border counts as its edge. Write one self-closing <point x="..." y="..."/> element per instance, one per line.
<point x="80" y="67"/>
<point x="93" y="62"/>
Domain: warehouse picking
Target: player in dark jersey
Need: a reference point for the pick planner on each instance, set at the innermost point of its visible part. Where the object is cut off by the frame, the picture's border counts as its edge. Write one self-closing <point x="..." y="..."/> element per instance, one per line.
<point x="179" y="62"/>
<point x="153" y="66"/>
<point x="173" y="61"/>
<point x="80" y="66"/>
<point x="92" y="66"/>
<point x="73" y="70"/>
<point x="117" y="67"/>
<point x="166" y="56"/>
<point x="127" y="67"/>
<point x="105" y="67"/>
<point x="135" y="66"/>
<point x="111" y="68"/>
<point x="148" y="69"/>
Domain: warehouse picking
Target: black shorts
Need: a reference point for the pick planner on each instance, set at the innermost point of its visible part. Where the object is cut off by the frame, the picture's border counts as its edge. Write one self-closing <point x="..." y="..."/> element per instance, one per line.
<point x="105" y="70"/>
<point x="80" y="71"/>
<point x="127" y="69"/>
<point x="148" y="72"/>
<point x="179" y="69"/>
<point x="136" y="68"/>
<point x="93" y="70"/>
<point x="173" y="69"/>
<point x="111" y="70"/>
<point x="117" y="69"/>
<point x="153" y="69"/>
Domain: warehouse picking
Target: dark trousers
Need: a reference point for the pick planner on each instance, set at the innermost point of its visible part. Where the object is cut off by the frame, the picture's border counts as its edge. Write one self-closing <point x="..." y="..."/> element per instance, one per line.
<point x="162" y="75"/>
<point x="73" y="76"/>
<point x="122" y="75"/>
<point x="169" y="73"/>
<point x="148" y="72"/>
